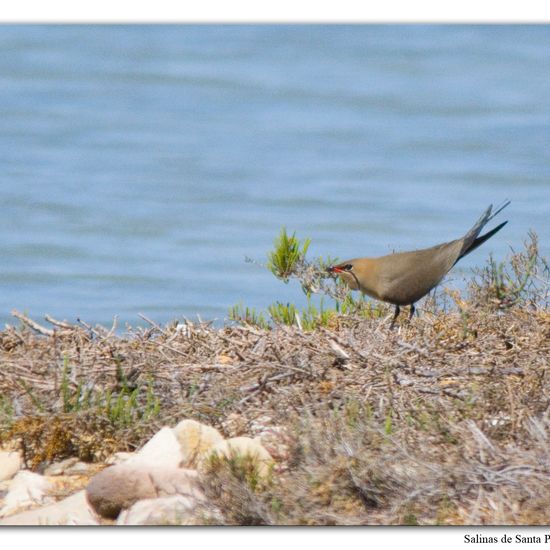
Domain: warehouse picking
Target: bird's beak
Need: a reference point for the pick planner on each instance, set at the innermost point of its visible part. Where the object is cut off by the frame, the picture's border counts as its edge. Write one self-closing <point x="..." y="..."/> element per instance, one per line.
<point x="335" y="269"/>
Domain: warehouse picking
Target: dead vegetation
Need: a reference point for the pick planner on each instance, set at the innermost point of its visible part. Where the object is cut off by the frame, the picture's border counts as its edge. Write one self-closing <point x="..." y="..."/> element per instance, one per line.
<point x="442" y="421"/>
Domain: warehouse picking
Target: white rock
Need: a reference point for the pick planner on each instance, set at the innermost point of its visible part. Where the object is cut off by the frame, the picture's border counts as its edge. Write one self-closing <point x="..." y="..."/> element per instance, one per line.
<point x="73" y="510"/>
<point x="10" y="464"/>
<point x="162" y="450"/>
<point x="176" y="482"/>
<point x="241" y="447"/>
<point x="195" y="439"/>
<point x="174" y="510"/>
<point x="26" y="489"/>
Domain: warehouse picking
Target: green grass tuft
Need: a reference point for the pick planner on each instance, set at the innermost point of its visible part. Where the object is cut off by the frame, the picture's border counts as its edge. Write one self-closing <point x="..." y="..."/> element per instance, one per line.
<point x="288" y="253"/>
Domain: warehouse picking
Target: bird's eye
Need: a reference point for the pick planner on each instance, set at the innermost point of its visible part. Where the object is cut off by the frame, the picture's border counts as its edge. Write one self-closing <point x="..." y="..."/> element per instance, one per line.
<point x="347" y="267"/>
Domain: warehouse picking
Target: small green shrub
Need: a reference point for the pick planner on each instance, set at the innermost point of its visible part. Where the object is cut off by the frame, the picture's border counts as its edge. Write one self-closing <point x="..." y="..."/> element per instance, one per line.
<point x="122" y="407"/>
<point x="287" y="255"/>
<point x="309" y="318"/>
<point x="248" y="316"/>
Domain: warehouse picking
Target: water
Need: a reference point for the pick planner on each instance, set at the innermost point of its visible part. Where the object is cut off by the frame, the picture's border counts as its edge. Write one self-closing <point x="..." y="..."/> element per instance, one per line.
<point x="140" y="165"/>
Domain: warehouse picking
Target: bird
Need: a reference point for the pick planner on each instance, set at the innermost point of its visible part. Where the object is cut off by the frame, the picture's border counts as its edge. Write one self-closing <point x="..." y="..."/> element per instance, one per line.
<point x="403" y="278"/>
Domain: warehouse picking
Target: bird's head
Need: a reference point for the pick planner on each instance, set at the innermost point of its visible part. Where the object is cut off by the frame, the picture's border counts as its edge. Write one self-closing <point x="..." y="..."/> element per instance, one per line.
<point x="345" y="271"/>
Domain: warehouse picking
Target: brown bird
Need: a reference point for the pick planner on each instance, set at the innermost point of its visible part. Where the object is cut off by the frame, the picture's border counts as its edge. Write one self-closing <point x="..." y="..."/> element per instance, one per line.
<point x="405" y="277"/>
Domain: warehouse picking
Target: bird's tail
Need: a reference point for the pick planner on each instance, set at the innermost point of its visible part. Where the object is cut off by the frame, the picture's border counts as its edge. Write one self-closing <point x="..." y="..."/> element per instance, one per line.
<point x="472" y="240"/>
<point x="480" y="240"/>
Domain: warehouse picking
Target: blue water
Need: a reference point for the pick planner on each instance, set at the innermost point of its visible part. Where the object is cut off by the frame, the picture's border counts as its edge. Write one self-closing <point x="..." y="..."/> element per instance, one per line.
<point x="140" y="165"/>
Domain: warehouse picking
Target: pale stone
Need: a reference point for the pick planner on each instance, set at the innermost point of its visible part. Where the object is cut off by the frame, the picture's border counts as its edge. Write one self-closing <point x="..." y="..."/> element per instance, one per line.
<point x="26" y="489"/>
<point x="176" y="481"/>
<point x="241" y="447"/>
<point x="73" y="510"/>
<point x="172" y="510"/>
<point x="10" y="464"/>
<point x="195" y="439"/>
<point x="163" y="449"/>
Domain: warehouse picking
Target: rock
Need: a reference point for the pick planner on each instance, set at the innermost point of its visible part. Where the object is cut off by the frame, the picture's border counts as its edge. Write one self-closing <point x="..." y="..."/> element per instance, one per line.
<point x="163" y="449"/>
<point x="119" y="487"/>
<point x="241" y="447"/>
<point x="26" y="489"/>
<point x="177" y="481"/>
<point x="173" y="510"/>
<point x="195" y="439"/>
<point x="73" y="510"/>
<point x="10" y="464"/>
<point x="58" y="468"/>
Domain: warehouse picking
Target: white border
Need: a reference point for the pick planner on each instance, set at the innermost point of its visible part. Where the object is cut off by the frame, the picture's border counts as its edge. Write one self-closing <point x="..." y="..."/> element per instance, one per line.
<point x="244" y="538"/>
<point x="265" y="11"/>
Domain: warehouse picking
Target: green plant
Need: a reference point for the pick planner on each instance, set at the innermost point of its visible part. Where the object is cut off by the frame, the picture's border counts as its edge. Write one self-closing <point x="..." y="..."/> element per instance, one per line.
<point x="248" y="316"/>
<point x="307" y="319"/>
<point x="122" y="407"/>
<point x="283" y="314"/>
<point x="287" y="255"/>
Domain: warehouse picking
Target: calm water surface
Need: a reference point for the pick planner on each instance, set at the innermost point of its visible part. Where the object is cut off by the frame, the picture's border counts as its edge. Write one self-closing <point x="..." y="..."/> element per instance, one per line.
<point x="140" y="165"/>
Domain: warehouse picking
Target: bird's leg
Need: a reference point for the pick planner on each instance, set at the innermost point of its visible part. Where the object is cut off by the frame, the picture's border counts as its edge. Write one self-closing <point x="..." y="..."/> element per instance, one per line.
<point x="411" y="312"/>
<point x="395" y="315"/>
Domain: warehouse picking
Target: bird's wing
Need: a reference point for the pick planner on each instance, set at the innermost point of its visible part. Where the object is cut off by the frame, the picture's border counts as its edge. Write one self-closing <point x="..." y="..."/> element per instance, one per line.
<point x="407" y="276"/>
